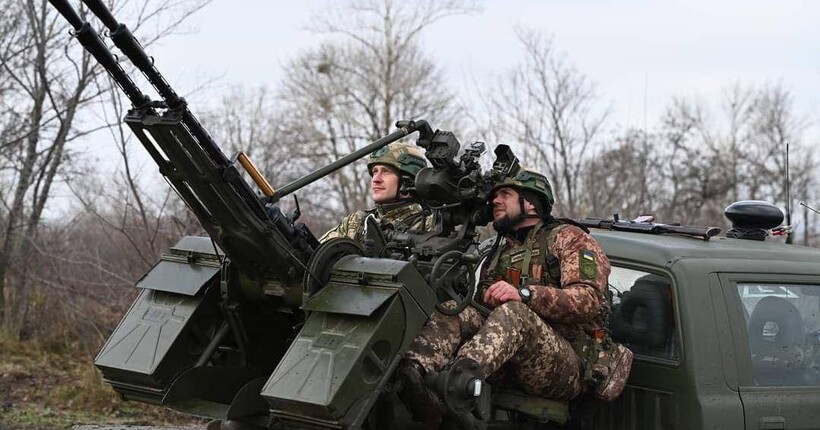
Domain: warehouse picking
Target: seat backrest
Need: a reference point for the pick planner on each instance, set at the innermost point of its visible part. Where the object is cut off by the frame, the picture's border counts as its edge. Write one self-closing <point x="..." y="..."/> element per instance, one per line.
<point x="785" y="328"/>
<point x="776" y="343"/>
<point x="643" y="317"/>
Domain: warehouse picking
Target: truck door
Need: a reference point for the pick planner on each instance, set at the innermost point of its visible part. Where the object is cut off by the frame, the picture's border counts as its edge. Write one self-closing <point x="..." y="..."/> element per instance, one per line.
<point x="644" y="319"/>
<point x="775" y="324"/>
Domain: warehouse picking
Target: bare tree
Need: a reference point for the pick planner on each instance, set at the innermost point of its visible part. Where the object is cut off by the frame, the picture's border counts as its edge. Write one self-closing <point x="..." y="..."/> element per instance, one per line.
<point x="624" y="180"/>
<point x="693" y="170"/>
<point x="551" y="110"/>
<point x="33" y="49"/>
<point x="699" y="162"/>
<point x="774" y="125"/>
<point x="53" y="80"/>
<point x="350" y="91"/>
<point x="737" y="106"/>
<point x="250" y="121"/>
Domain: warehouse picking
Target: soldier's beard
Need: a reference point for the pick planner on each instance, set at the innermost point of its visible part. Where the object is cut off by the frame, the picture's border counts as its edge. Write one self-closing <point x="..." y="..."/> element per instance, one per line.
<point x="507" y="224"/>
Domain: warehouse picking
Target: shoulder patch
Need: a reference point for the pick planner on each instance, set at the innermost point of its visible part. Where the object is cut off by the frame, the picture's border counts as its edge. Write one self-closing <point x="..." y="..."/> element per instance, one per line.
<point x="588" y="263"/>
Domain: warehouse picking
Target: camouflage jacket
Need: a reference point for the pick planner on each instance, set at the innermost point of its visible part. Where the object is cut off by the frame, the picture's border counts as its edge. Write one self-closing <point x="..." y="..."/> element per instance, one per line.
<point x="400" y="216"/>
<point x="565" y="269"/>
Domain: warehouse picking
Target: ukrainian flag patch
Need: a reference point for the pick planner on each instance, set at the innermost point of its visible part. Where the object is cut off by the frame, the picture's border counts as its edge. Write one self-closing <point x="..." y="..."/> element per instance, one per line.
<point x="588" y="265"/>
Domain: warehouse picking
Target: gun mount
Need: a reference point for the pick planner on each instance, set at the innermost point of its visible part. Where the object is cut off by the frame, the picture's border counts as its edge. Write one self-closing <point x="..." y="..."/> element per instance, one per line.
<point x="261" y="324"/>
<point x="259" y="321"/>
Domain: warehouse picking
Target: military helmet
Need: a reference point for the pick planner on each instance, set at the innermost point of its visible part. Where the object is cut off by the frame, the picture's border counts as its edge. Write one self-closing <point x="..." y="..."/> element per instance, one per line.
<point x="407" y="159"/>
<point x="529" y="180"/>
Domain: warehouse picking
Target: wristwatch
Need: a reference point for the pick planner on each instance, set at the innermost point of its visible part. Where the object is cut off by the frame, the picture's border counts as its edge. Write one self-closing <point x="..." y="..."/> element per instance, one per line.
<point x="525" y="293"/>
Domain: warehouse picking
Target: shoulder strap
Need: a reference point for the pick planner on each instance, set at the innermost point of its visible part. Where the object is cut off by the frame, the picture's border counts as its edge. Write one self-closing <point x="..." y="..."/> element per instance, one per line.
<point x="529" y="243"/>
<point x="551" y="262"/>
<point x="359" y="218"/>
<point x="497" y="251"/>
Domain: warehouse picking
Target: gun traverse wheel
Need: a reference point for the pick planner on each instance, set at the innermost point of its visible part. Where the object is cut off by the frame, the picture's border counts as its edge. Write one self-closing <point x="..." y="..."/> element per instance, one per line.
<point x="323" y="259"/>
<point x="443" y="279"/>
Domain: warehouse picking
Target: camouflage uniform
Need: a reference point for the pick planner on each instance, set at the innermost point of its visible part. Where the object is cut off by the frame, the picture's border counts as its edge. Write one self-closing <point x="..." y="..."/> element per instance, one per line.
<point x="536" y="345"/>
<point x="402" y="215"/>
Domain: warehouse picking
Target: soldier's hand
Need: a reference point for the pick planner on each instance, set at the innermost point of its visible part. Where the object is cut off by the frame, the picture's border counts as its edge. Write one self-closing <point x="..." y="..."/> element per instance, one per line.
<point x="501" y="292"/>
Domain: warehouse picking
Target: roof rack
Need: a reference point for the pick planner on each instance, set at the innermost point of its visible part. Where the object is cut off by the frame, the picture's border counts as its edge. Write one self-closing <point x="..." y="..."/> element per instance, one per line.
<point x="650" y="227"/>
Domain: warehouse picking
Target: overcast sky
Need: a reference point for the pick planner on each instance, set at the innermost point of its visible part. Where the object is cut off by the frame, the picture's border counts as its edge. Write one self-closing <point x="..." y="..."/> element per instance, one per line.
<point x="639" y="53"/>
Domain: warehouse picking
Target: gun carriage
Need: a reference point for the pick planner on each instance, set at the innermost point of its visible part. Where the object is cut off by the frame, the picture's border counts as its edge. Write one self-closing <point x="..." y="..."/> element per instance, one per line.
<point x="259" y="321"/>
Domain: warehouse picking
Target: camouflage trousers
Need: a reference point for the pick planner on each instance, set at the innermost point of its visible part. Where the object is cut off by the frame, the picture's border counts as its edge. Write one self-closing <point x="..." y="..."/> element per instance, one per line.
<point x="513" y="345"/>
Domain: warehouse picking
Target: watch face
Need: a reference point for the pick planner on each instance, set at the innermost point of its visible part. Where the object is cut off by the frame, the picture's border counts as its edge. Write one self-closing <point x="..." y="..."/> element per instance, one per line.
<point x="525" y="292"/>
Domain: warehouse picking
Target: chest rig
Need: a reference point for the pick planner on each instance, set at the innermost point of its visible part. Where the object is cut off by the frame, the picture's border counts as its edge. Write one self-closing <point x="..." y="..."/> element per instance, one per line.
<point x="605" y="365"/>
<point x="531" y="262"/>
<point x="399" y="219"/>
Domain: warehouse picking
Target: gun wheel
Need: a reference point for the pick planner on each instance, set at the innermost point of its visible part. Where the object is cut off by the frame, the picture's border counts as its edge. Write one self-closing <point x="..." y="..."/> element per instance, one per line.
<point x="442" y="279"/>
<point x="324" y="258"/>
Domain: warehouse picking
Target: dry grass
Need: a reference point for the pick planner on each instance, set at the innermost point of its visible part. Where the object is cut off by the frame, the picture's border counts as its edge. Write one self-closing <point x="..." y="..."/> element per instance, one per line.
<point x="47" y="390"/>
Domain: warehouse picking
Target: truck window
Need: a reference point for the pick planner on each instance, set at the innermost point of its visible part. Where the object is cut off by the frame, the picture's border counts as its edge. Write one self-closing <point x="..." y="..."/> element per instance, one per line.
<point x="784" y="332"/>
<point x="642" y="315"/>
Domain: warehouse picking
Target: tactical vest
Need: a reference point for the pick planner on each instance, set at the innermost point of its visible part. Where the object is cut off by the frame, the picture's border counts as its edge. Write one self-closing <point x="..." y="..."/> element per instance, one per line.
<point x="409" y="217"/>
<point x="401" y="219"/>
<point x="605" y="364"/>
<point x="532" y="262"/>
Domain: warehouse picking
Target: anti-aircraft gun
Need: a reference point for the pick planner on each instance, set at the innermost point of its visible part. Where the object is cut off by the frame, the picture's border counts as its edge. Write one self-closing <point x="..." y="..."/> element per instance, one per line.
<point x="259" y="322"/>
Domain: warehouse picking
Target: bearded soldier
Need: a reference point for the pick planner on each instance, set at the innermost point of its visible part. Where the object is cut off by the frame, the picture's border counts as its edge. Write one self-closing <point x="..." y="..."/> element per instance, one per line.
<point x="546" y="286"/>
<point x="393" y="170"/>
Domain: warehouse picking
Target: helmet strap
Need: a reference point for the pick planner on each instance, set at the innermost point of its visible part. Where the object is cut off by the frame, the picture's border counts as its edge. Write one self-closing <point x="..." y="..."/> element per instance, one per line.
<point x="405" y="185"/>
<point x="507" y="224"/>
<point x="524" y="214"/>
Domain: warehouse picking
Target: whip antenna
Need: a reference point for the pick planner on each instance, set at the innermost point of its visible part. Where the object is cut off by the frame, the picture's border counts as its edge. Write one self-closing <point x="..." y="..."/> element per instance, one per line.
<point x="789" y="235"/>
<point x="809" y="208"/>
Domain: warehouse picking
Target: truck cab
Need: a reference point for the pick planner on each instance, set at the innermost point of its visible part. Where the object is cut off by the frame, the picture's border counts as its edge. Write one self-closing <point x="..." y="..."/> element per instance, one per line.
<point x="725" y="332"/>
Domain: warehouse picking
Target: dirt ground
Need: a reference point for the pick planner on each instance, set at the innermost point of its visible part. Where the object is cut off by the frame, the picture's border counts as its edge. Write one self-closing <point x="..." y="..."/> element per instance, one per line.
<point x="104" y="427"/>
<point x="48" y="390"/>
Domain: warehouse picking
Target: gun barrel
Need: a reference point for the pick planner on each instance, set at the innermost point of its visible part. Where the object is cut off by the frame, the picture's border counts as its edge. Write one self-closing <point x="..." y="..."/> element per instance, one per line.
<point x="68" y="12"/>
<point x="344" y="161"/>
<point x="642" y="227"/>
<point x="704" y="232"/>
<point x="128" y="44"/>
<point x="92" y="42"/>
<point x="101" y="10"/>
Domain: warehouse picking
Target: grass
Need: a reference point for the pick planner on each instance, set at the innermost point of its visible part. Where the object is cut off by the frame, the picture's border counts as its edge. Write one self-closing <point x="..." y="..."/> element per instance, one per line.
<point x="41" y="389"/>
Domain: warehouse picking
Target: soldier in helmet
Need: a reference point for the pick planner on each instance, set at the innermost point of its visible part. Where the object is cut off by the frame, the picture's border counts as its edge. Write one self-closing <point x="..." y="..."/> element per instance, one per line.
<point x="546" y="286"/>
<point x="393" y="170"/>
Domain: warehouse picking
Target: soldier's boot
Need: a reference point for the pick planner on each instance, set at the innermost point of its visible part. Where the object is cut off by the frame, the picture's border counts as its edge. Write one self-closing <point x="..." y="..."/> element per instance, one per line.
<point x="423" y="404"/>
<point x="464" y="392"/>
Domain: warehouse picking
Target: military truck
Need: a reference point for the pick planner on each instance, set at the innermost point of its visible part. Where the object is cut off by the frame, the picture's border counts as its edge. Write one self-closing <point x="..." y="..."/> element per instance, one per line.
<point x="725" y="331"/>
<point x="259" y="325"/>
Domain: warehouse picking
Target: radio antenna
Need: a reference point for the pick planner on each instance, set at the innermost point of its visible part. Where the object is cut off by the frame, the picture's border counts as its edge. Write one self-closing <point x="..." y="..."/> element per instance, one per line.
<point x="790" y="235"/>
<point x="809" y="208"/>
